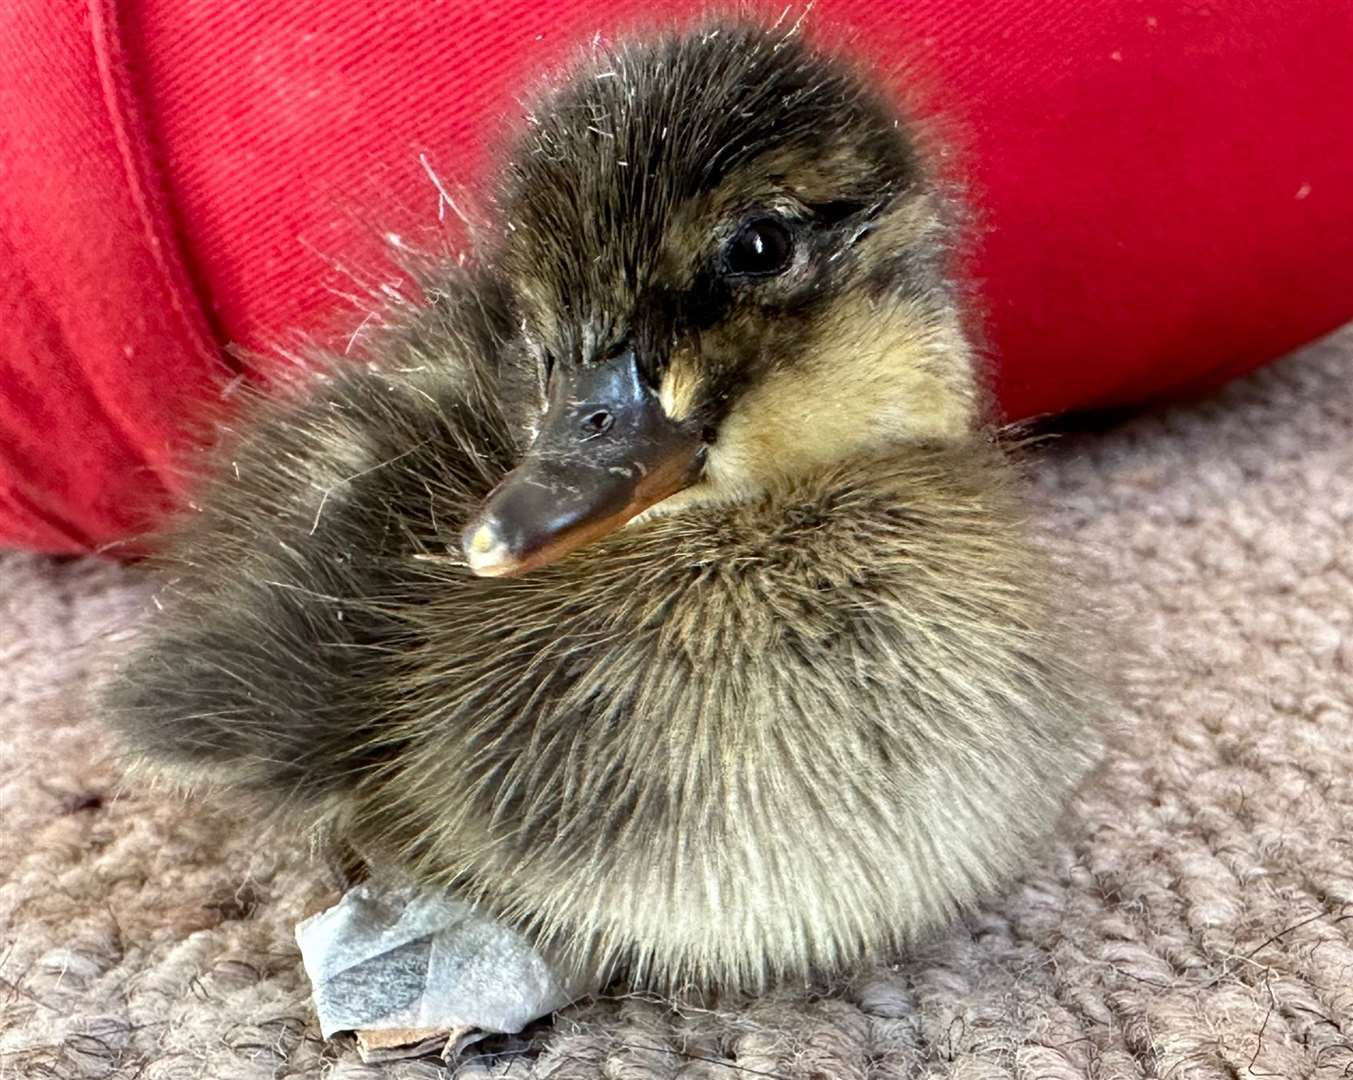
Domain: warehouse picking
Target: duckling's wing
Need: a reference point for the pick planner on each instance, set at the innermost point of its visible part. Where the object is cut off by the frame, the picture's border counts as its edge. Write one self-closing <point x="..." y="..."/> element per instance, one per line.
<point x="257" y="668"/>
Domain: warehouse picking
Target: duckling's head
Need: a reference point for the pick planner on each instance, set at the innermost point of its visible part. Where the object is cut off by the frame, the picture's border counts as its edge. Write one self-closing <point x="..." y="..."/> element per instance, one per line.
<point x="727" y="264"/>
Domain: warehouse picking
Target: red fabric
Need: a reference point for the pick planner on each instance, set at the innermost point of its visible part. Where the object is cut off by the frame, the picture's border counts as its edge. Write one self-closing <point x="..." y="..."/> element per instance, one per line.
<point x="1164" y="193"/>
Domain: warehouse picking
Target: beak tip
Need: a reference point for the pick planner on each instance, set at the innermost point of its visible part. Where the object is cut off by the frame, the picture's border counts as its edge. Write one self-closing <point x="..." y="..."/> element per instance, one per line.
<point x="486" y="553"/>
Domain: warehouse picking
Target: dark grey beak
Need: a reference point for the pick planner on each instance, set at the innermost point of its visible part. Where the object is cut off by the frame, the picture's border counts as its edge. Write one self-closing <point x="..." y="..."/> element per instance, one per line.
<point x="605" y="452"/>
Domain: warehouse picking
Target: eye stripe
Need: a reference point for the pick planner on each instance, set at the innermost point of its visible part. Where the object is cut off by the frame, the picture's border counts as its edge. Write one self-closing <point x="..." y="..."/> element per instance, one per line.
<point x="836" y="211"/>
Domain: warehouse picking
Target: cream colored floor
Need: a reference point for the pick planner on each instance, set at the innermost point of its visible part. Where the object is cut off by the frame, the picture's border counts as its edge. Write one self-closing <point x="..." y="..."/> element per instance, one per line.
<point x="1197" y="922"/>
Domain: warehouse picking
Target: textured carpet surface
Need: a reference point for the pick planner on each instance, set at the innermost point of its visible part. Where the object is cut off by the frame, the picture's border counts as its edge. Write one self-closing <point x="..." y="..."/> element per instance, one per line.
<point x="1196" y="921"/>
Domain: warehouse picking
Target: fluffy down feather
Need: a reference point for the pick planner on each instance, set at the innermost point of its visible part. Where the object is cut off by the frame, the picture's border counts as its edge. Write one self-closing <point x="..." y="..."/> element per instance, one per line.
<point x="745" y="739"/>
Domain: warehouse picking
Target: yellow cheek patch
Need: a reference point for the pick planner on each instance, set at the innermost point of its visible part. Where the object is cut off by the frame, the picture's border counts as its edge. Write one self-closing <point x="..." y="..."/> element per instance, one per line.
<point x="677" y="392"/>
<point x="873" y="376"/>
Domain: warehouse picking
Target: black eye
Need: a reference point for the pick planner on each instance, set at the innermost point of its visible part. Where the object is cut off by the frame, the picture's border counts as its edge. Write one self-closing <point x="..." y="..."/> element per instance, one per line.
<point x="759" y="248"/>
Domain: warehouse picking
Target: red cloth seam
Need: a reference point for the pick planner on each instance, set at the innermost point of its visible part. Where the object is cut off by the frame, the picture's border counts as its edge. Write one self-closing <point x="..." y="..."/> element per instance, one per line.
<point x="144" y="183"/>
<point x="58" y="524"/>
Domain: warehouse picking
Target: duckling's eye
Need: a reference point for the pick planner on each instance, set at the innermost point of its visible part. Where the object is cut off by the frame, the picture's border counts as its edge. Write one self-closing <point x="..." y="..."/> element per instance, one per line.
<point x="760" y="248"/>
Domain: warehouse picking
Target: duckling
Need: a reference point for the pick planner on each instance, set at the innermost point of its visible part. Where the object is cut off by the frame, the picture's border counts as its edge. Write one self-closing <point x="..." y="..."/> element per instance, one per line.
<point x="656" y="582"/>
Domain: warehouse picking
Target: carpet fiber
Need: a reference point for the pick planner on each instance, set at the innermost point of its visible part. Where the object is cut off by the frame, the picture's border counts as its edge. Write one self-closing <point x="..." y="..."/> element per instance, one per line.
<point x="1195" y="923"/>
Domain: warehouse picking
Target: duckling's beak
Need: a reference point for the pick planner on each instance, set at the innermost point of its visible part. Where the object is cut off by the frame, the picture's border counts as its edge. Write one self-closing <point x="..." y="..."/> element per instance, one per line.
<point x="605" y="452"/>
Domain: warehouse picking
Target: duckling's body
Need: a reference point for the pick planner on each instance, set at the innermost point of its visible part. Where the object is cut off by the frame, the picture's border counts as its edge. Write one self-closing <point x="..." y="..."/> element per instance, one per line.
<point x="808" y="702"/>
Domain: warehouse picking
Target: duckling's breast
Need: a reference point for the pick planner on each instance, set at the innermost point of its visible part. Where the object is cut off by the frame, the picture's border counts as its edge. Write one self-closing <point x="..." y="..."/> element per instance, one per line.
<point x="741" y="741"/>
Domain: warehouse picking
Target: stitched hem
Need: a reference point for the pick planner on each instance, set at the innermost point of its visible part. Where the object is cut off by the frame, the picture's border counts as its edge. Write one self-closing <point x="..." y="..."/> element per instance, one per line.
<point x="145" y="184"/>
<point x="76" y="540"/>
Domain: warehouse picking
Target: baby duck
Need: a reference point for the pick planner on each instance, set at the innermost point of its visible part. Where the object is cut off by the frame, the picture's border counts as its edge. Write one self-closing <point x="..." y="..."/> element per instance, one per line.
<point x="655" y="583"/>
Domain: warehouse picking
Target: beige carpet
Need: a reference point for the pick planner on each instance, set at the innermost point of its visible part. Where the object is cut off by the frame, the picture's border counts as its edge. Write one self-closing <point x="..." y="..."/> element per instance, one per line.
<point x="1197" y="923"/>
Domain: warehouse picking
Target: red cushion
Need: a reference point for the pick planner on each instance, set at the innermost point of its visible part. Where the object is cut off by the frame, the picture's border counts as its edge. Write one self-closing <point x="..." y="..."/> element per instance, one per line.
<point x="1163" y="190"/>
